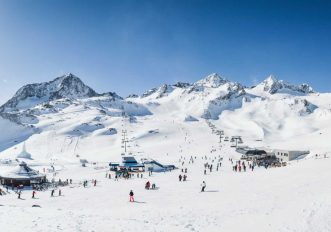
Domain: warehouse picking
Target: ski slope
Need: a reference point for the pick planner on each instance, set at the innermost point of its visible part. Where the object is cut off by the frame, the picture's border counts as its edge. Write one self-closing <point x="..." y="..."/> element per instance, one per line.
<point x="292" y="198"/>
<point x="170" y="124"/>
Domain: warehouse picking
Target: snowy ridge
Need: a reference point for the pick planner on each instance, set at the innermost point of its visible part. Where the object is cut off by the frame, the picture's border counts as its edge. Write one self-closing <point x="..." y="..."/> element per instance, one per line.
<point x="272" y="86"/>
<point x="64" y="122"/>
<point x="213" y="81"/>
<point x="66" y="86"/>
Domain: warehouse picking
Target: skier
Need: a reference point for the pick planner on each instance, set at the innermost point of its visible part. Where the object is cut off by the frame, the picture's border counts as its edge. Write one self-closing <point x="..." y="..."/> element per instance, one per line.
<point x="184" y="178"/>
<point x="203" y="185"/>
<point x="180" y="177"/>
<point x="33" y="194"/>
<point x="19" y="194"/>
<point x="131" y="196"/>
<point x="52" y="193"/>
<point x="147" y="185"/>
<point x="95" y="183"/>
<point x="60" y="192"/>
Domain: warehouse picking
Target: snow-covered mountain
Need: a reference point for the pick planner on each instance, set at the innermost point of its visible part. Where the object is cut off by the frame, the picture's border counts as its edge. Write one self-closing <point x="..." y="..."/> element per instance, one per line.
<point x="57" y="124"/>
<point x="65" y="118"/>
<point x="66" y="86"/>
<point x="272" y="86"/>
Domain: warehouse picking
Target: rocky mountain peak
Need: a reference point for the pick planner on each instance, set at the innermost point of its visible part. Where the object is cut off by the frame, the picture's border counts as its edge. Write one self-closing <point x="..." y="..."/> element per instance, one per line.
<point x="213" y="81"/>
<point x="273" y="85"/>
<point x="66" y="86"/>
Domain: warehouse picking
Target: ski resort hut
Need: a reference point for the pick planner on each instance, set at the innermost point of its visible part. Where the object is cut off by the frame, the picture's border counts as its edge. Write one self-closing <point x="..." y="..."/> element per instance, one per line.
<point x="288" y="155"/>
<point x="113" y="166"/>
<point x="255" y="153"/>
<point x="131" y="164"/>
<point x="260" y="156"/>
<point x="22" y="175"/>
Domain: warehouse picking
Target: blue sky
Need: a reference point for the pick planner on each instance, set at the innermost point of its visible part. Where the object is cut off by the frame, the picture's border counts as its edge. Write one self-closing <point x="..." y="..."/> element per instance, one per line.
<point x="132" y="46"/>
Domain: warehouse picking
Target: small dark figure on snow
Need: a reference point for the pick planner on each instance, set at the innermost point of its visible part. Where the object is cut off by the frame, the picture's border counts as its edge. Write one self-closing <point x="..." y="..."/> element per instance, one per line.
<point x="203" y="186"/>
<point x="147" y="185"/>
<point x="131" y="194"/>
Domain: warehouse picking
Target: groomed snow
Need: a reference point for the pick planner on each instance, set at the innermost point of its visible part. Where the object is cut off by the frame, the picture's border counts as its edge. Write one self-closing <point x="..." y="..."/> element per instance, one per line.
<point x="292" y="198"/>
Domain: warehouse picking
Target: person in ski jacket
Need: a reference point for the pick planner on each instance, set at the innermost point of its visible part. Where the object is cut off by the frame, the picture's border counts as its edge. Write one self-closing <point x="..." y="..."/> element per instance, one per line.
<point x="33" y="194"/>
<point x="203" y="185"/>
<point x="131" y="194"/>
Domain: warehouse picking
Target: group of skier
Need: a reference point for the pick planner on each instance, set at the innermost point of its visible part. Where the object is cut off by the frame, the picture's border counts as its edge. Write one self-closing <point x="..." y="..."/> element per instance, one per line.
<point x="148" y="185"/>
<point x="241" y="166"/>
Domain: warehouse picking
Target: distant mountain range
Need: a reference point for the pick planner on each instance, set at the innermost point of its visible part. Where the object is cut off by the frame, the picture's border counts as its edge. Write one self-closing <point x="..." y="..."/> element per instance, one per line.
<point x="65" y="108"/>
<point x="219" y="93"/>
